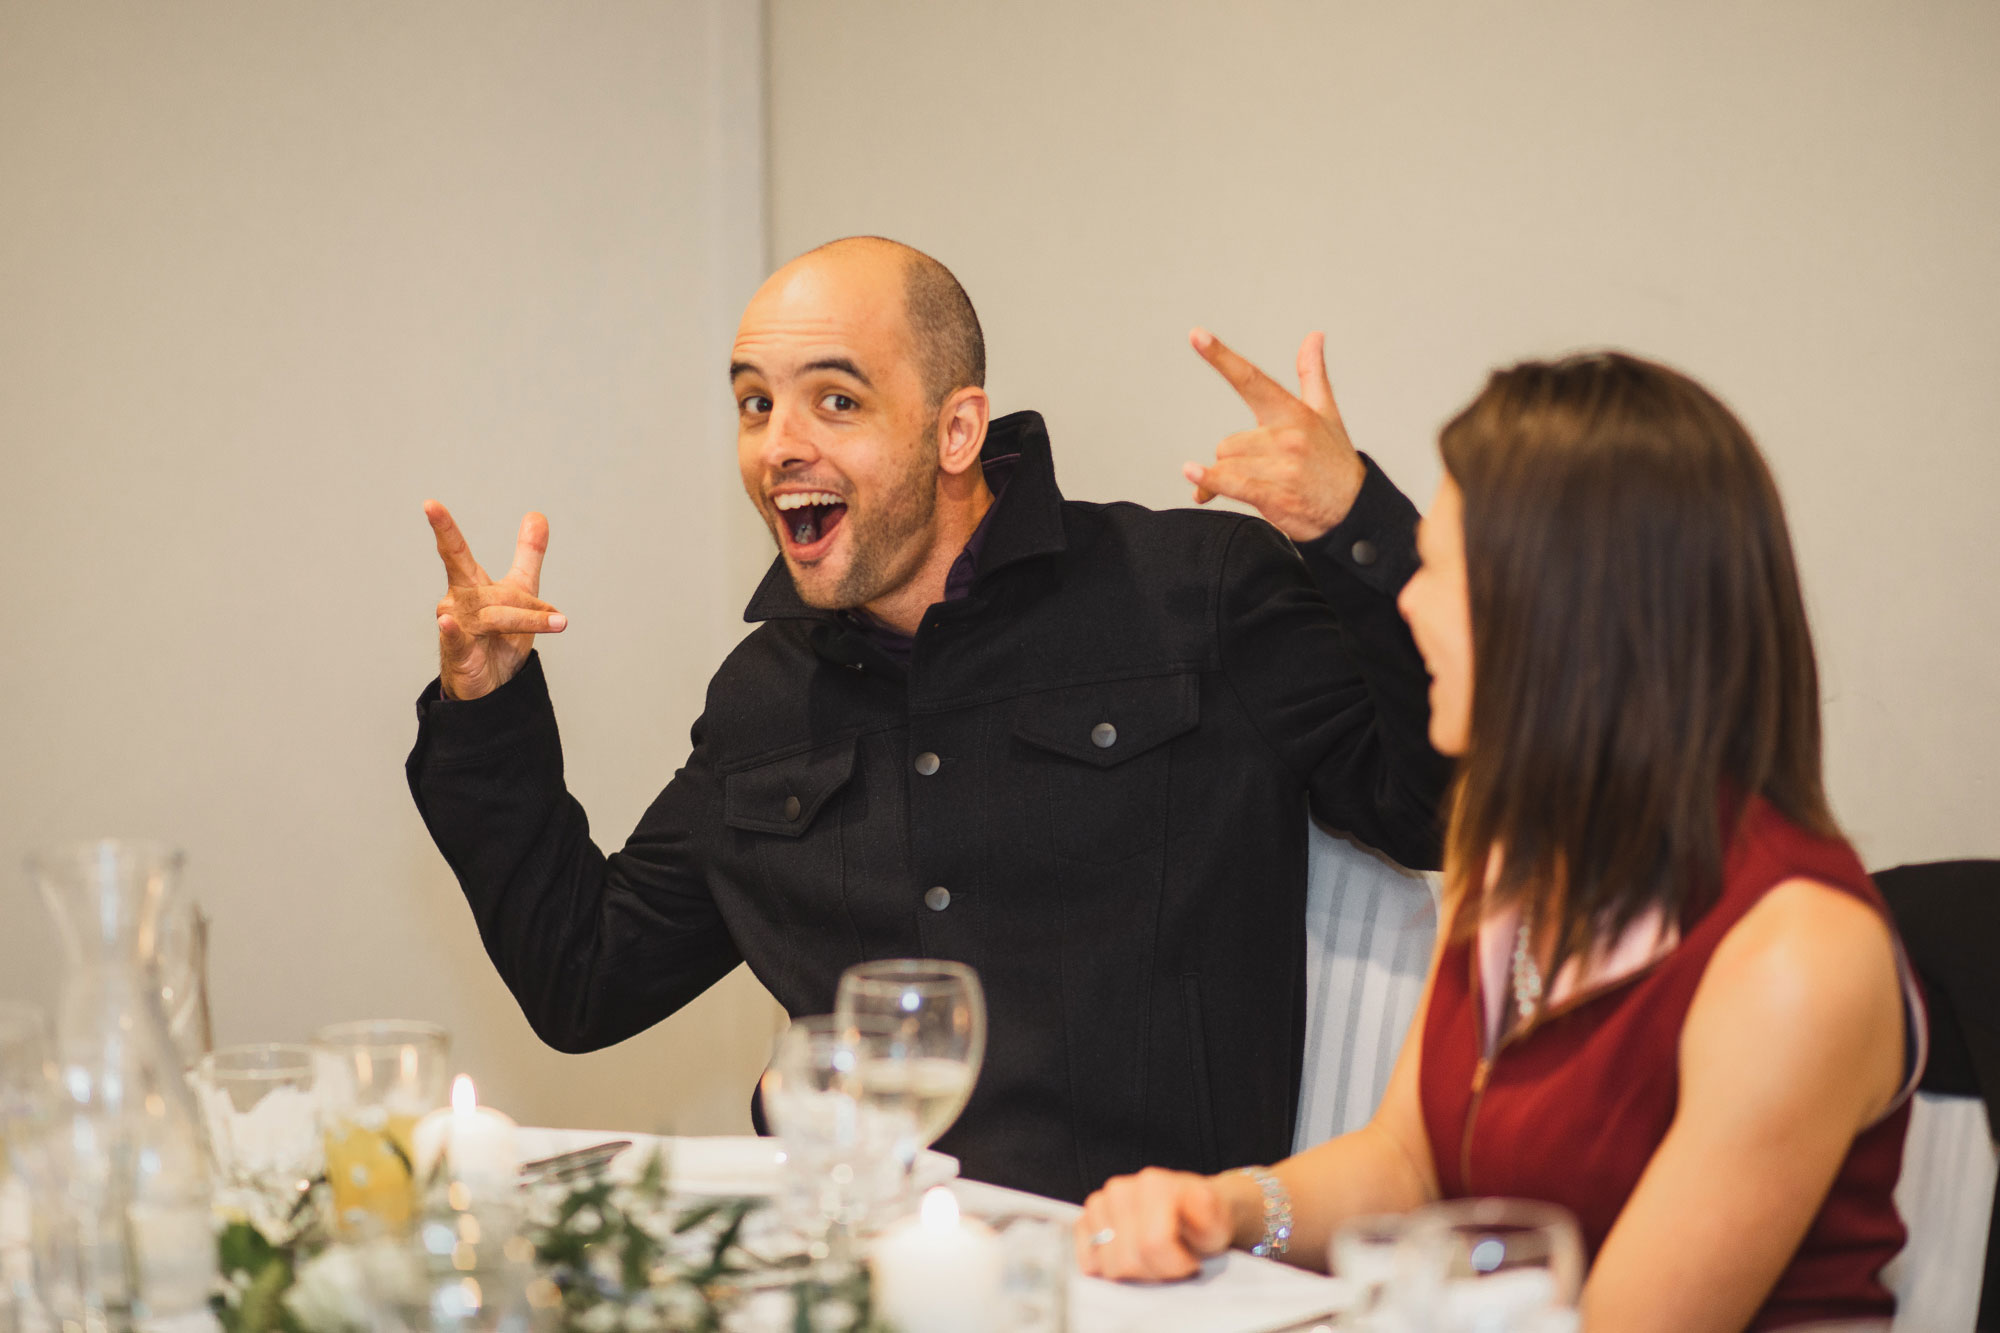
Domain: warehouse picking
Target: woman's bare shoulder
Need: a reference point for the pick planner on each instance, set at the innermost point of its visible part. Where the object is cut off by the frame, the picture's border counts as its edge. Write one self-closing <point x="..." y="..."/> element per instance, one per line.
<point x="1803" y="991"/>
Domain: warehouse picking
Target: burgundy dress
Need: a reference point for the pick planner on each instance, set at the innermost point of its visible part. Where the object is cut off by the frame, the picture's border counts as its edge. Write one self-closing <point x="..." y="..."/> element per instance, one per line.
<point x="1570" y="1108"/>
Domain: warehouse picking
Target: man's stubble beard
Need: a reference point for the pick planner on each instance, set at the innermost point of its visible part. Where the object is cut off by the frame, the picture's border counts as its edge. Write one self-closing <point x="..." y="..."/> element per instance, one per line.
<point x="883" y="557"/>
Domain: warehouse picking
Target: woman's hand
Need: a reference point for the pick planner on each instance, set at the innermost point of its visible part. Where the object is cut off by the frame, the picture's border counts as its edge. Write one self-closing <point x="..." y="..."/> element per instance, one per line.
<point x="1156" y="1226"/>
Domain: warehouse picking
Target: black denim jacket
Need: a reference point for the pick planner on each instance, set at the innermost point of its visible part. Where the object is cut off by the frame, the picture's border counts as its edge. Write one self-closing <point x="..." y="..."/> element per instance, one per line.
<point x="1090" y="782"/>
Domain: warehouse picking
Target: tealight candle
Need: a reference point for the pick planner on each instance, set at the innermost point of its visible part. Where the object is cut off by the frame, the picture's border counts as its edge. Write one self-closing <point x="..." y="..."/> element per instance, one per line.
<point x="938" y="1273"/>
<point x="477" y="1143"/>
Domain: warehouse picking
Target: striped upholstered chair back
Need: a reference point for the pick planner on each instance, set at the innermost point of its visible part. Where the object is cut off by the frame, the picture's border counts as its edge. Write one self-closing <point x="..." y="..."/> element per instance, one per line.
<point x="1370" y="925"/>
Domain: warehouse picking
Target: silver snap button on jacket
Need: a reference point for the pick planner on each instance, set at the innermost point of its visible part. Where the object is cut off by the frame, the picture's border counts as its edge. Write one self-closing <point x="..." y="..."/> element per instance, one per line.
<point x="791" y="807"/>
<point x="1363" y="552"/>
<point x="938" y="898"/>
<point x="1104" y="735"/>
<point x="927" y="763"/>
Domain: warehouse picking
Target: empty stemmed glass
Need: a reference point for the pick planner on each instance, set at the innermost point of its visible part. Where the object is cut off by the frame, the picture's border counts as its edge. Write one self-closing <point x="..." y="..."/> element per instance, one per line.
<point x="843" y="1150"/>
<point x="1491" y="1266"/>
<point x="1364" y="1253"/>
<point x="938" y="1014"/>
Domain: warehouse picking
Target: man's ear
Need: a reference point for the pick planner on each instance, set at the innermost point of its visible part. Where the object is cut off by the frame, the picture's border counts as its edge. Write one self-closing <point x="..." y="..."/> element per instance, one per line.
<point x="961" y="429"/>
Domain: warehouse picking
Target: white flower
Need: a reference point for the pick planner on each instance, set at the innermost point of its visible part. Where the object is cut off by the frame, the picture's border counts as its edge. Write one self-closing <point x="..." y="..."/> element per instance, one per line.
<point x="680" y="1304"/>
<point x="330" y="1294"/>
<point x="642" y="1318"/>
<point x="604" y="1317"/>
<point x="605" y="1266"/>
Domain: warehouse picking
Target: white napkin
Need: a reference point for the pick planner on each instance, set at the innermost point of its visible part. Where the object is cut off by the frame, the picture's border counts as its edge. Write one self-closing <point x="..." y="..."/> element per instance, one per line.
<point x="725" y="1164"/>
<point x="1235" y="1293"/>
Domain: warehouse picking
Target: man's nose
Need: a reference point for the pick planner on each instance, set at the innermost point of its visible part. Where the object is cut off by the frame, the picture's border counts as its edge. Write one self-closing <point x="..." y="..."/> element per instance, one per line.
<point x="788" y="442"/>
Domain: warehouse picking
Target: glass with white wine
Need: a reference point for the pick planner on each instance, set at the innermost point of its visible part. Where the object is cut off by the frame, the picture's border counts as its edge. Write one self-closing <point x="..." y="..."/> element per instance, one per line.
<point x="937" y="1014"/>
<point x="373" y="1080"/>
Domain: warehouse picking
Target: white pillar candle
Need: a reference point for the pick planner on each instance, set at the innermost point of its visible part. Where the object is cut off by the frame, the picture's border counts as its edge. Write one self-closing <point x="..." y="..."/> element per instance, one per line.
<point x="938" y="1272"/>
<point x="477" y="1143"/>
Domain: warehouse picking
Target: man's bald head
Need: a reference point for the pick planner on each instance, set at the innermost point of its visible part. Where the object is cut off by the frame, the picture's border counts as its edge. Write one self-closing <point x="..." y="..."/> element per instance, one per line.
<point x="860" y="417"/>
<point x="944" y="328"/>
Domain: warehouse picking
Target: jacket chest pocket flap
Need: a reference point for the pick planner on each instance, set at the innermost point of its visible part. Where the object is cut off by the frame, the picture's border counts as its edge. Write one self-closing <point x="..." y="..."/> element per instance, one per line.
<point x="782" y="796"/>
<point x="1105" y="805"/>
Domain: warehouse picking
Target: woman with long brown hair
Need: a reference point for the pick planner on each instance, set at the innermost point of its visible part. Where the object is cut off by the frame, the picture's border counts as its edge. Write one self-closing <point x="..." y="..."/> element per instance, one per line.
<point x="1670" y="998"/>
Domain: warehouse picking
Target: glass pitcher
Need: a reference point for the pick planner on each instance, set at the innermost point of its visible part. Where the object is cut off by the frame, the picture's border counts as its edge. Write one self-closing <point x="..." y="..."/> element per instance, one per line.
<point x="136" y="1242"/>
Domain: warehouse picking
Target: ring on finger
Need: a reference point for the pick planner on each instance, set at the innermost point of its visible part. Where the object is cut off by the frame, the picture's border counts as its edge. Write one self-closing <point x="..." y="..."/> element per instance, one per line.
<point x="1099" y="1239"/>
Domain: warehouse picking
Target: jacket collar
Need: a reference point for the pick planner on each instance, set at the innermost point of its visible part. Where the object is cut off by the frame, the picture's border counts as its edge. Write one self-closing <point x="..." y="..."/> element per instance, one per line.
<point x="1027" y="519"/>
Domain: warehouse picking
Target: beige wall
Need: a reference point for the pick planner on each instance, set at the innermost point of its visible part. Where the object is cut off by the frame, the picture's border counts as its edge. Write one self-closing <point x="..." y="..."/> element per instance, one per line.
<point x="1795" y="201"/>
<point x="270" y="275"/>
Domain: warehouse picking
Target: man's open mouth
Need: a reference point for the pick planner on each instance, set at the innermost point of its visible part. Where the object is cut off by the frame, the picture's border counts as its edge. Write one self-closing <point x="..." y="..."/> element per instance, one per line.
<point x="809" y="518"/>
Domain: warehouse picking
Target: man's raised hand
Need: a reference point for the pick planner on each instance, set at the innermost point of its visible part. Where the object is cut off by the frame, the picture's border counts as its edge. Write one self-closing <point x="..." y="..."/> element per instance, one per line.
<point x="1298" y="468"/>
<point x="486" y="629"/>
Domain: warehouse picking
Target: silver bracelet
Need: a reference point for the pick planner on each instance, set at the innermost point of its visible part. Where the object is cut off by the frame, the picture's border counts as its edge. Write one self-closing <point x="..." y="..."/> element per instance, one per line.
<point x="1277" y="1213"/>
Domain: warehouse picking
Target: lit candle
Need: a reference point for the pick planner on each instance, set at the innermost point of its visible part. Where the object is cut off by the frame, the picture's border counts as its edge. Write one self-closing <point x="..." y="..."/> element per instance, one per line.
<point x="477" y="1143"/>
<point x="938" y="1273"/>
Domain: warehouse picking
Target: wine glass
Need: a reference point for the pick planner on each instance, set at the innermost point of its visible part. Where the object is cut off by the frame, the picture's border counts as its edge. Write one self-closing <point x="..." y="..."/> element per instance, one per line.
<point x="1363" y="1253"/>
<point x="263" y="1126"/>
<point x="1490" y="1266"/>
<point x="938" y="1013"/>
<point x="373" y="1081"/>
<point x="844" y="1150"/>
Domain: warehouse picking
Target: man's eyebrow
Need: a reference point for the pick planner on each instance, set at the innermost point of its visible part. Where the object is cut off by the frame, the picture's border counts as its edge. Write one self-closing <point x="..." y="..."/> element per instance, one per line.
<point x="841" y="364"/>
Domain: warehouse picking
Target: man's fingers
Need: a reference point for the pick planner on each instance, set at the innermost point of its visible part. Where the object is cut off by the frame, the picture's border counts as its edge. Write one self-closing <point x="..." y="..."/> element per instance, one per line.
<point x="521" y="620"/>
<point x="1234" y="478"/>
<point x="460" y="569"/>
<point x="1194" y="472"/>
<point x="1250" y="442"/>
<point x="499" y="608"/>
<point x="1315" y="389"/>
<point x="1267" y="399"/>
<point x="529" y="548"/>
<point x="474" y="610"/>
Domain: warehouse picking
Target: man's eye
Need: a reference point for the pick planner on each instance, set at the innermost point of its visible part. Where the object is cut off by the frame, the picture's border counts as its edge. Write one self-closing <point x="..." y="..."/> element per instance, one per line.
<point x="756" y="404"/>
<point x="839" y="402"/>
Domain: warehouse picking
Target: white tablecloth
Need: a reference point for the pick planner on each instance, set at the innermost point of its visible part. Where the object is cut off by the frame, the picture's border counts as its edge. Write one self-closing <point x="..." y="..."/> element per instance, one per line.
<point x="1234" y="1294"/>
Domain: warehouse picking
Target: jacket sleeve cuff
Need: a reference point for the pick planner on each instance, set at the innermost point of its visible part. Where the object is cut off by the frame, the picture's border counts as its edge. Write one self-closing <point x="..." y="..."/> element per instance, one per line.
<point x="458" y="728"/>
<point x="1375" y="545"/>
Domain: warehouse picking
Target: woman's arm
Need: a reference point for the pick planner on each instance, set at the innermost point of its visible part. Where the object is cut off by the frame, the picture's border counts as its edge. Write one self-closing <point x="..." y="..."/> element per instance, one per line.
<point x="1793" y="1046"/>
<point x="1163" y="1223"/>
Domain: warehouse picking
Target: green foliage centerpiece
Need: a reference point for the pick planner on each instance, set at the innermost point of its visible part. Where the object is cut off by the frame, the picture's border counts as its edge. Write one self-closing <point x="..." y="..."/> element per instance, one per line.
<point x="593" y="1254"/>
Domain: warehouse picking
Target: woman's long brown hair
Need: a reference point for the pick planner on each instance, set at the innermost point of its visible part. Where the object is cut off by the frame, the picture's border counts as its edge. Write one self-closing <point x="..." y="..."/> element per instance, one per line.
<point x="1641" y="659"/>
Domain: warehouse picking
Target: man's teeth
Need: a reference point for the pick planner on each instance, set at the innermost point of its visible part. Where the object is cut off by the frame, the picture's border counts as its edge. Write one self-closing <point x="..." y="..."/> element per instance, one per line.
<point x="800" y="499"/>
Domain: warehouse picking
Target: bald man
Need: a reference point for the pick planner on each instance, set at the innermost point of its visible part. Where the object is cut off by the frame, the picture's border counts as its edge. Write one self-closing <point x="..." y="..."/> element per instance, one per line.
<point x="1069" y="744"/>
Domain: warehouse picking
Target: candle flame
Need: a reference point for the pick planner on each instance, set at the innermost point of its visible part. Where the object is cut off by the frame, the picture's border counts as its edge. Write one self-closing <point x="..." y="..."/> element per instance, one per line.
<point x="462" y="1099"/>
<point x="940" y="1209"/>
